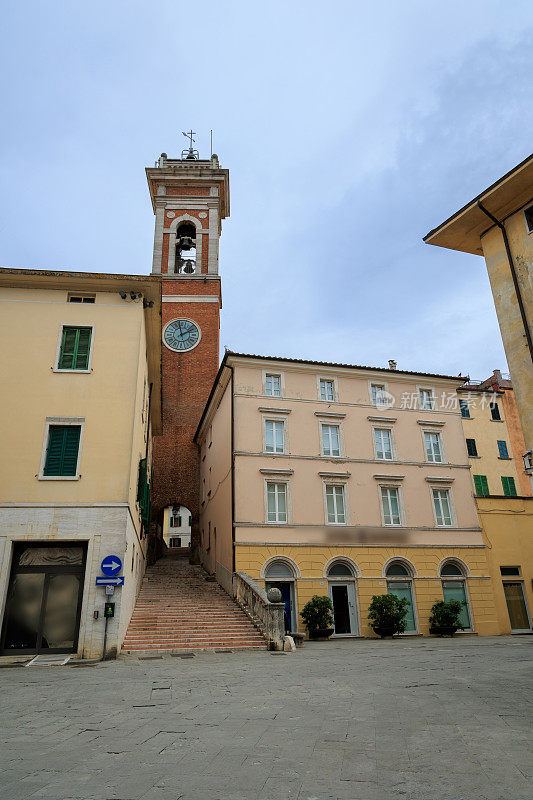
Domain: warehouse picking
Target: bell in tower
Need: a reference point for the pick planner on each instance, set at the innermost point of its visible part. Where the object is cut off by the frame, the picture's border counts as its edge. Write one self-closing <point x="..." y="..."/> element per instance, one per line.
<point x="185" y="261"/>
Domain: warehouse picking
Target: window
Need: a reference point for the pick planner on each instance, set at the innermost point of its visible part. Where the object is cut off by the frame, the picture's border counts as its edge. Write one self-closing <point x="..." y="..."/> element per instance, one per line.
<point x="441" y="501"/>
<point x="383" y="444"/>
<point x="274" y="436"/>
<point x="81" y="298"/>
<point x="426" y="399"/>
<point x="327" y="390"/>
<point x="481" y="485"/>
<point x="510" y="572"/>
<point x="330" y="440"/>
<point x="465" y="410"/>
<point x="336" y="513"/>
<point x="495" y="411"/>
<point x="528" y="214"/>
<point x="502" y="449"/>
<point x="390" y="503"/>
<point x="273" y="385"/>
<point x="75" y="348"/>
<point x="62" y="451"/>
<point x="378" y="391"/>
<point x="276" y="502"/>
<point x="509" y="488"/>
<point x="471" y="447"/>
<point x="433" y="447"/>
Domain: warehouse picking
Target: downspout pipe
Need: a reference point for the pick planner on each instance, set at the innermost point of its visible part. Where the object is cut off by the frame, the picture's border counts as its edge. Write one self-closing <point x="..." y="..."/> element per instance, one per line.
<point x="501" y="226"/>
<point x="232" y="470"/>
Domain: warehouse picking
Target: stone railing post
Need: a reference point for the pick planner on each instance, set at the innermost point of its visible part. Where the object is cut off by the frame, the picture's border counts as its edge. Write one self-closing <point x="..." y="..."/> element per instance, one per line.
<point x="267" y="612"/>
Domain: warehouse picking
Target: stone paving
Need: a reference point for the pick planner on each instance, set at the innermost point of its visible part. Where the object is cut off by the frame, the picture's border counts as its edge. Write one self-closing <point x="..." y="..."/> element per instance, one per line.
<point x="413" y="719"/>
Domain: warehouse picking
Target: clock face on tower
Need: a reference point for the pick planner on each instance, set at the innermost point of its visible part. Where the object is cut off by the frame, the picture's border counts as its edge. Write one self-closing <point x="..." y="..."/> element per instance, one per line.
<point x="181" y="334"/>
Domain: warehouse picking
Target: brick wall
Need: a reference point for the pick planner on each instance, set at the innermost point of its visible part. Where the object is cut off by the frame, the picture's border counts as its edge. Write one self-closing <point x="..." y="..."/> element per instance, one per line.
<point x="187" y="380"/>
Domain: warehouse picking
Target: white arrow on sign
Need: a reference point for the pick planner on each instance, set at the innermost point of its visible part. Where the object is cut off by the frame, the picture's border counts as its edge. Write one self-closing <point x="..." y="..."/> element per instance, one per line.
<point x="112" y="564"/>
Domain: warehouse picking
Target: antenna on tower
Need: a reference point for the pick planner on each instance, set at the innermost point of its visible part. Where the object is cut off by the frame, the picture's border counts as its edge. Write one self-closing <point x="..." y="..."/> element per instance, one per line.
<point x="190" y="154"/>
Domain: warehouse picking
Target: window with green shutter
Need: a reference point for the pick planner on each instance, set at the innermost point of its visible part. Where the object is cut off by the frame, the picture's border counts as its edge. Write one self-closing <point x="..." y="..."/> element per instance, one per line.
<point x="509" y="488"/>
<point x="143" y="492"/>
<point x="482" y="485"/>
<point x="62" y="450"/>
<point x="75" y="348"/>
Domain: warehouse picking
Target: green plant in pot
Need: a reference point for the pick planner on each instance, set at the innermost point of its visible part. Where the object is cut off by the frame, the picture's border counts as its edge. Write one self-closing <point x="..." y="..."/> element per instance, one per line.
<point x="444" y="619"/>
<point x="386" y="613"/>
<point x="317" y="615"/>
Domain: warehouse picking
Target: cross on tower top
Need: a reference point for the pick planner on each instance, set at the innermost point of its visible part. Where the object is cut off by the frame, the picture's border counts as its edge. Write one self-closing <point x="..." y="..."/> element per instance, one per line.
<point x="190" y="153"/>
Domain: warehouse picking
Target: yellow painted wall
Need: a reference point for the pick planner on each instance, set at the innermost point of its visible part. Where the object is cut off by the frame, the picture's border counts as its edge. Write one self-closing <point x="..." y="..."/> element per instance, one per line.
<point x="486" y="433"/>
<point x="508" y="533"/>
<point x="511" y="325"/>
<point x="311" y="563"/>
<point x="109" y="398"/>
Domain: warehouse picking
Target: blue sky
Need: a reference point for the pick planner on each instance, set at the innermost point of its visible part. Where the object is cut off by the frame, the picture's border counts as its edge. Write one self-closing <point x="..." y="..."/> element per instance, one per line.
<point x="350" y="129"/>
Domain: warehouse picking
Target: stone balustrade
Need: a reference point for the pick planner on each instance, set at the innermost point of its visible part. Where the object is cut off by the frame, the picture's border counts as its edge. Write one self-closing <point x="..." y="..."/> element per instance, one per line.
<point x="269" y="617"/>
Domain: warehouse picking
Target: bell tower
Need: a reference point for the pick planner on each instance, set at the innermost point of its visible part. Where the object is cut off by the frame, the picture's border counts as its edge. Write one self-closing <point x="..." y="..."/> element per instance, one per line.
<point x="190" y="198"/>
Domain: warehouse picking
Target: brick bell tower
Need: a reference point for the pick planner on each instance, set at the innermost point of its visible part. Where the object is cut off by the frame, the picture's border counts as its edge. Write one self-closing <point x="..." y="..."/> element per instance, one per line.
<point x="190" y="198"/>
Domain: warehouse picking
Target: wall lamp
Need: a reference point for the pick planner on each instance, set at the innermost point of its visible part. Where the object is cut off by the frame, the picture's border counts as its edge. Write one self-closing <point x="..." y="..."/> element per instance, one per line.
<point x="148" y="303"/>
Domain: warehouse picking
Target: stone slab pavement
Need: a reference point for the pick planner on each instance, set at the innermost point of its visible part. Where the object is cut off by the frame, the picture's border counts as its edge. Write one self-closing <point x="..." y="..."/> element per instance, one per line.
<point x="413" y="719"/>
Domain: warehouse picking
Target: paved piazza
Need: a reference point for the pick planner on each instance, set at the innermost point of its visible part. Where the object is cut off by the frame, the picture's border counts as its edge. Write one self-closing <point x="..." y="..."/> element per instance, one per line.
<point x="435" y="719"/>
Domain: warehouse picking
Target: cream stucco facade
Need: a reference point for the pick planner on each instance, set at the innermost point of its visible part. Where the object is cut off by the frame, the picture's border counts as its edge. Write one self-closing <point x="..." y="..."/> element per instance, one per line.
<point x="114" y="403"/>
<point x="287" y="517"/>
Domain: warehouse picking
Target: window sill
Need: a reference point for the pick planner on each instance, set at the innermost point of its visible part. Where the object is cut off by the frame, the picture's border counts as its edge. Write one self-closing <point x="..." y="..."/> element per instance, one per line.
<point x="469" y="456"/>
<point x="74" y="371"/>
<point x="497" y="420"/>
<point x="505" y="458"/>
<point x="58" y="477"/>
<point x="265" y="453"/>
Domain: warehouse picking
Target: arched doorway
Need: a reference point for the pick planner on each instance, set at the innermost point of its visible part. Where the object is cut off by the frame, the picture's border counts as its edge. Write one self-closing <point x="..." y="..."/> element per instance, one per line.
<point x="454" y="588"/>
<point x="399" y="582"/>
<point x="280" y="575"/>
<point x="177" y="526"/>
<point x="342" y="593"/>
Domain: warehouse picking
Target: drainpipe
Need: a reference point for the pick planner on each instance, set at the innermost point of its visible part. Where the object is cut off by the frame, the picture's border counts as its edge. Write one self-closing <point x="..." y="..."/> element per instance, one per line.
<point x="501" y="226"/>
<point x="232" y="472"/>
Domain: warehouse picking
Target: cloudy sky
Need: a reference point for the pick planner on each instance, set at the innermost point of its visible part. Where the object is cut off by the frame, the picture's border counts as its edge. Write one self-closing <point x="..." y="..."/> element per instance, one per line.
<point x="350" y="129"/>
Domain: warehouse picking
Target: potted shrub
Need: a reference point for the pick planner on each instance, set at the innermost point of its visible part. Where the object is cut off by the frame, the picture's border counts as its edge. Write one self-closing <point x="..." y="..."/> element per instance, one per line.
<point x="317" y="615"/>
<point x="387" y="614"/>
<point x="444" y="619"/>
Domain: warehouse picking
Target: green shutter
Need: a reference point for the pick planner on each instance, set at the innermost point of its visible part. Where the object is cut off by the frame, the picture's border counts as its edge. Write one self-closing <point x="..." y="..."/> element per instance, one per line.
<point x="143" y="492"/>
<point x="509" y="488"/>
<point x="62" y="450"/>
<point x="482" y="485"/>
<point x="75" y="348"/>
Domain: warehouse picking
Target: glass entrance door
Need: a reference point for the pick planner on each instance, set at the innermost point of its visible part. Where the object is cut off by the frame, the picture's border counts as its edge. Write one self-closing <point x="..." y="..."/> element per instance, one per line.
<point x="455" y="590"/>
<point x="403" y="589"/>
<point x="342" y="596"/>
<point x="516" y="606"/>
<point x="44" y="599"/>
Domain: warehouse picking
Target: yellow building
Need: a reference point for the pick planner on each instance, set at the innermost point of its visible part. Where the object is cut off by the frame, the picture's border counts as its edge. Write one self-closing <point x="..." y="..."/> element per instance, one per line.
<point x="498" y="224"/>
<point x="81" y="399"/>
<point x="488" y="441"/>
<point x="351" y="481"/>
<point x="508" y="532"/>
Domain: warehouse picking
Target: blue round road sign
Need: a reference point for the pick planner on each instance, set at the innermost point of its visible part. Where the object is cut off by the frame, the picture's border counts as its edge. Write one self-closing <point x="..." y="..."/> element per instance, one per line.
<point x="111" y="566"/>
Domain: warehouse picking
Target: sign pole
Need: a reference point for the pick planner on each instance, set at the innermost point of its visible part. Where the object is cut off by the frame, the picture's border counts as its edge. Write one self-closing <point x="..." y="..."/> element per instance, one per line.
<point x="105" y="637"/>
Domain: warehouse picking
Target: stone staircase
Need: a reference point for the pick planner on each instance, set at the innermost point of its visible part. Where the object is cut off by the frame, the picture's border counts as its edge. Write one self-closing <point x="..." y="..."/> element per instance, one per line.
<point x="179" y="610"/>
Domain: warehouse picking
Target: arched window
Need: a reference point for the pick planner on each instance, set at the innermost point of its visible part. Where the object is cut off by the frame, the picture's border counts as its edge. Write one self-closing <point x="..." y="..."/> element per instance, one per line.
<point x="279" y="570"/>
<point x="397" y="570"/>
<point x="185" y="261"/>
<point x="454" y="588"/>
<point x="340" y="570"/>
<point x="400" y="584"/>
<point x="452" y="569"/>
